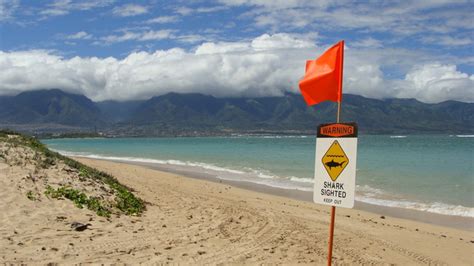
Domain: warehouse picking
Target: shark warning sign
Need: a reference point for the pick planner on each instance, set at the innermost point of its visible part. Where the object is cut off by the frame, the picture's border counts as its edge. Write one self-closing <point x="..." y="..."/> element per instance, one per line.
<point x="335" y="160"/>
<point x="335" y="164"/>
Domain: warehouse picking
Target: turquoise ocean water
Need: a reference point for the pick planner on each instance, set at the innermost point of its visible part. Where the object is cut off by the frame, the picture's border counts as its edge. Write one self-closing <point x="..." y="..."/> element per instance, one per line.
<point x="428" y="173"/>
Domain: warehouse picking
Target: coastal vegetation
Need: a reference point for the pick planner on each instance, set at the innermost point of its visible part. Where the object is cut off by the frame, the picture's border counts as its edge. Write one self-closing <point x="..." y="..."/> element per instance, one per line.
<point x="114" y="197"/>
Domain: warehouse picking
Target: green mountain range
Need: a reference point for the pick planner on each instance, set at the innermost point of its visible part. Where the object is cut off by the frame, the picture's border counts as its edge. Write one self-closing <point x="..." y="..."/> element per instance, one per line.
<point x="55" y="108"/>
<point x="198" y="114"/>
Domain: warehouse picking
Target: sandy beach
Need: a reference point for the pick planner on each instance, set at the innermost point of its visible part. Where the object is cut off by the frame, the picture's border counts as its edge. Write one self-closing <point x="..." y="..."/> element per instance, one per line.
<point x="191" y="221"/>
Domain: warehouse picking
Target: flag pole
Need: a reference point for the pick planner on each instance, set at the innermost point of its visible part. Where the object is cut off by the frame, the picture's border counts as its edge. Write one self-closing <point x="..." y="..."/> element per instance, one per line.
<point x="333" y="208"/>
<point x="338" y="117"/>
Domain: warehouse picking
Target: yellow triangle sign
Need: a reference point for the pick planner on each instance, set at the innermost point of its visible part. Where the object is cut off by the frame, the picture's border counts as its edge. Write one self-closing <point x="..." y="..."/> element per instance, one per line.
<point x="335" y="160"/>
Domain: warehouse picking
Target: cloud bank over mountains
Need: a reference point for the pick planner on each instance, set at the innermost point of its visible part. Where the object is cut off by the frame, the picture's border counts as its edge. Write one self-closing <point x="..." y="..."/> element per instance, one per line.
<point x="263" y="66"/>
<point x="108" y="49"/>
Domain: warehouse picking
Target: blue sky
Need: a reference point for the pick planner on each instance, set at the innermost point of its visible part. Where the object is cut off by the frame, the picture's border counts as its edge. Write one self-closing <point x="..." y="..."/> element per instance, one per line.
<point x="138" y="49"/>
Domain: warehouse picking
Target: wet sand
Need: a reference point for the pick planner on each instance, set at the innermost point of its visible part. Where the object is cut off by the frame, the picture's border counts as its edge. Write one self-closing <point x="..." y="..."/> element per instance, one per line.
<point x="464" y="223"/>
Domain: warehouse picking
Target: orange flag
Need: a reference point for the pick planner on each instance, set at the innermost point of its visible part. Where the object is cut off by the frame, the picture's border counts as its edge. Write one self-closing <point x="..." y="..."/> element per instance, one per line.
<point x="323" y="77"/>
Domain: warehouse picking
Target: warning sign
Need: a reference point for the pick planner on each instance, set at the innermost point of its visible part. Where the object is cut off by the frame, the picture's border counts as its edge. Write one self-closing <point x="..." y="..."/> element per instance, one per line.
<point x="335" y="160"/>
<point x="335" y="164"/>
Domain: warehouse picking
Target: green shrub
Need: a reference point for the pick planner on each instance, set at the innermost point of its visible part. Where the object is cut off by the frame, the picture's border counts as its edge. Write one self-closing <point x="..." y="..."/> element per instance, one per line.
<point x="125" y="200"/>
<point x="31" y="196"/>
<point x="79" y="198"/>
<point x="47" y="162"/>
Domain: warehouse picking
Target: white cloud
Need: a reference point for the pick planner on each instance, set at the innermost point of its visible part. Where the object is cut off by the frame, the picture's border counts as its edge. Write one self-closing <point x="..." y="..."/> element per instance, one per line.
<point x="126" y="36"/>
<point x="138" y="36"/>
<point x="447" y="40"/>
<point x="368" y="43"/>
<point x="222" y="48"/>
<point x="210" y="9"/>
<point x="191" y="38"/>
<point x="277" y="4"/>
<point x="7" y="9"/>
<point x="400" y="19"/>
<point x="264" y="42"/>
<point x="81" y="35"/>
<point x="365" y="79"/>
<point x="91" y="4"/>
<point x="265" y="65"/>
<point x="64" y="7"/>
<point x="129" y="10"/>
<point x="156" y="35"/>
<point x="54" y="12"/>
<point x="436" y="82"/>
<point x="184" y="11"/>
<point x="163" y="19"/>
<point x="279" y="41"/>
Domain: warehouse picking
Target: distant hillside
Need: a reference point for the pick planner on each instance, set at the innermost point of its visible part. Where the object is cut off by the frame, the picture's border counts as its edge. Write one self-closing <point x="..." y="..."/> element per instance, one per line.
<point x="49" y="107"/>
<point x="289" y="112"/>
<point x="198" y="114"/>
<point x="114" y="111"/>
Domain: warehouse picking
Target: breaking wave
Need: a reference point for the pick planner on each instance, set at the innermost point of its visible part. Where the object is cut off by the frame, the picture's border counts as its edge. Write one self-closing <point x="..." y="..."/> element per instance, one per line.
<point x="364" y="193"/>
<point x="375" y="196"/>
<point x="465" y="136"/>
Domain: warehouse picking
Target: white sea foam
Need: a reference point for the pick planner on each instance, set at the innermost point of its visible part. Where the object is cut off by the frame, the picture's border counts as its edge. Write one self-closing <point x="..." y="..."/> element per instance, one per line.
<point x="364" y="193"/>
<point x="155" y="161"/>
<point x="465" y="136"/>
<point x="397" y="137"/>
<point x="261" y="177"/>
<point x="436" y="207"/>
<point x="283" y="136"/>
<point x="301" y="180"/>
<point x="269" y="182"/>
<point x="269" y="136"/>
<point x="369" y="191"/>
<point x="379" y="197"/>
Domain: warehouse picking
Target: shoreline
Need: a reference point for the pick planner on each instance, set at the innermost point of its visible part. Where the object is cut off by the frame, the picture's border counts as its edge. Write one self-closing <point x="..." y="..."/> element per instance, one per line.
<point x="450" y="221"/>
